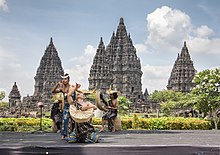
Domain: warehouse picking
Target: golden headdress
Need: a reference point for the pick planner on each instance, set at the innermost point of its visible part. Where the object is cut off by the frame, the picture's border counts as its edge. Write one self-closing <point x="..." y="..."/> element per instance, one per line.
<point x="110" y="91"/>
<point x="59" y="98"/>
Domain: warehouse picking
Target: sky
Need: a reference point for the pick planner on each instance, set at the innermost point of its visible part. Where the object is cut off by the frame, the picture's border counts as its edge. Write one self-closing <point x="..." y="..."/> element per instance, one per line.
<point x="158" y="29"/>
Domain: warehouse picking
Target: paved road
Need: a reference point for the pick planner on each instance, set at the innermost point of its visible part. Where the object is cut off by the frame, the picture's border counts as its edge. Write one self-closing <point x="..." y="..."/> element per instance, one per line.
<point x="122" y="142"/>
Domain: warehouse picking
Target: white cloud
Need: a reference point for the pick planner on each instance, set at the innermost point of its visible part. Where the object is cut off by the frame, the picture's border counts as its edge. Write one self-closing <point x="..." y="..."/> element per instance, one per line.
<point x="3" y="5"/>
<point x="168" y="28"/>
<point x="141" y="48"/>
<point x="204" y="45"/>
<point x="86" y="58"/>
<point x="80" y="71"/>
<point x="155" y="77"/>
<point x="90" y="51"/>
<point x="14" y="73"/>
<point x="204" y="31"/>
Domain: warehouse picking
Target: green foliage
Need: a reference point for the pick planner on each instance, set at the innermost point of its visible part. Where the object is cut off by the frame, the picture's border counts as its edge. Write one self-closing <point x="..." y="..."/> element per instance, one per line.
<point x="165" y="95"/>
<point x="208" y="96"/>
<point x="135" y="122"/>
<point x="174" y="123"/>
<point x="172" y="101"/>
<point x="124" y="104"/>
<point x="2" y="95"/>
<point x="206" y="89"/>
<point x="163" y="123"/>
<point x="4" y="104"/>
<point x="126" y="123"/>
<point x="24" y="124"/>
<point x="91" y="97"/>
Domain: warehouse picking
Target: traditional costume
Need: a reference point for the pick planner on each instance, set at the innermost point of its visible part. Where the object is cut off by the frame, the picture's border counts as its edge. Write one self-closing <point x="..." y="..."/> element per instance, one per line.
<point x="83" y="129"/>
<point x="67" y="123"/>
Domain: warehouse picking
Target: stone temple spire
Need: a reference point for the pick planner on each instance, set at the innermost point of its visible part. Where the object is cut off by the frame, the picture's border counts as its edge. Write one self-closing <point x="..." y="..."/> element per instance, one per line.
<point x="14" y="95"/>
<point x="49" y="71"/>
<point x="184" y="53"/>
<point x="182" y="73"/>
<point x="122" y="66"/>
<point x="121" y="30"/>
<point x="100" y="70"/>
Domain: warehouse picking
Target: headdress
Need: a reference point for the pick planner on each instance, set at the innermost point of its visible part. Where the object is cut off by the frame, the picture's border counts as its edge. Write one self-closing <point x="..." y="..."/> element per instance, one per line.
<point x="110" y="91"/>
<point x="64" y="76"/>
<point x="59" y="97"/>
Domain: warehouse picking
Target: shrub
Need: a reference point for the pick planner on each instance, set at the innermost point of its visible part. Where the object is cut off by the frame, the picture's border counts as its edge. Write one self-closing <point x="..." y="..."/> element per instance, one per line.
<point x="135" y="122"/>
<point x="24" y="124"/>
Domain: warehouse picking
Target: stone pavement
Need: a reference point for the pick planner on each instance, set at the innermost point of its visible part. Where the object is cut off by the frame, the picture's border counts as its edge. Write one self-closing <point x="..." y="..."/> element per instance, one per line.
<point x="121" y="142"/>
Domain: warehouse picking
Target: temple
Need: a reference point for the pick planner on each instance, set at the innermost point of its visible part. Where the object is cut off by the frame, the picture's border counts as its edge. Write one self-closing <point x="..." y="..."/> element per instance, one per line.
<point x="182" y="73"/>
<point x="48" y="74"/>
<point x="117" y="66"/>
<point x="14" y="96"/>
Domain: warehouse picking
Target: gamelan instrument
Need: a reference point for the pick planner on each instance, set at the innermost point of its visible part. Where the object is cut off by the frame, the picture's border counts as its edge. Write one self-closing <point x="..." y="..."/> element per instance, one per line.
<point x="98" y="102"/>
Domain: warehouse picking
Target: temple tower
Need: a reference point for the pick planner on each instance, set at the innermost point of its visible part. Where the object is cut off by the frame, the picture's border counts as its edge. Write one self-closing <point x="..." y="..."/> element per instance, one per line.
<point x="100" y="75"/>
<point x="48" y="74"/>
<point x="49" y="71"/>
<point x="14" y="96"/>
<point x="182" y="73"/>
<point x="121" y="64"/>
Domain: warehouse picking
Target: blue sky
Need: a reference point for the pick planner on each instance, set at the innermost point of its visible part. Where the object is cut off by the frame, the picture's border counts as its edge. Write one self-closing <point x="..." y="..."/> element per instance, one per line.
<point x="158" y="29"/>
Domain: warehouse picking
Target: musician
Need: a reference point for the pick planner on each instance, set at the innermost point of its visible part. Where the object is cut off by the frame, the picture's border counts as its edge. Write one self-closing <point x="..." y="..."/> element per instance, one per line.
<point x="112" y="112"/>
<point x="56" y="116"/>
<point x="82" y="111"/>
<point x="67" y="89"/>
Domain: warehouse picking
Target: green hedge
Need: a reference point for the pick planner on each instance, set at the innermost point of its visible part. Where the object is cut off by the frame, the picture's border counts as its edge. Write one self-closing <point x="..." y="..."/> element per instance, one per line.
<point x="174" y="123"/>
<point x="24" y="124"/>
<point x="134" y="122"/>
<point x="163" y="123"/>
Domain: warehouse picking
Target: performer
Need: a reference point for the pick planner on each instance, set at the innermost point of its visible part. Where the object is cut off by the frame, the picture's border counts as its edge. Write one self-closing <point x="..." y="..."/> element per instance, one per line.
<point x="65" y="87"/>
<point x="81" y="112"/>
<point x="56" y="115"/>
<point x="112" y="111"/>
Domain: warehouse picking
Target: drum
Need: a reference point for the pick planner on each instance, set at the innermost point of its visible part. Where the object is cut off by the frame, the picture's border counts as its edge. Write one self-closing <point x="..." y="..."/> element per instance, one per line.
<point x="118" y="126"/>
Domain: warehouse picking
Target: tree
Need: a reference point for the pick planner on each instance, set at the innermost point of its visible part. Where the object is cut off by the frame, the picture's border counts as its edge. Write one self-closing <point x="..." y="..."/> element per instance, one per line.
<point x="2" y="95"/>
<point x="164" y="96"/>
<point x="124" y="104"/>
<point x="208" y="94"/>
<point x="167" y="99"/>
<point x="171" y="101"/>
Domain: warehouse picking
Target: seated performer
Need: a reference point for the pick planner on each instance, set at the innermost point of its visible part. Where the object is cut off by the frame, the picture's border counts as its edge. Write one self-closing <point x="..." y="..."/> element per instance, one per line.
<point x="112" y="111"/>
<point x="81" y="112"/>
<point x="56" y="113"/>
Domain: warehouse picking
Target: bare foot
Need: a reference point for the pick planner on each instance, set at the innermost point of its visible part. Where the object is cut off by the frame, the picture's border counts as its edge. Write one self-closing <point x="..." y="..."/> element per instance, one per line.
<point x="113" y="130"/>
<point x="62" y="137"/>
